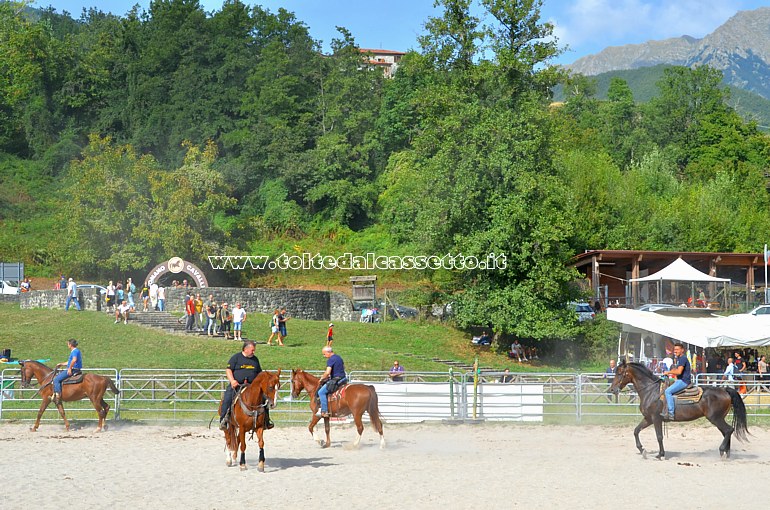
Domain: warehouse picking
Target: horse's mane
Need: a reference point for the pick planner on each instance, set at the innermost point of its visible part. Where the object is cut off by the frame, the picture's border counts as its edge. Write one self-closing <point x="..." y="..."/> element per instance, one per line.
<point x="640" y="369"/>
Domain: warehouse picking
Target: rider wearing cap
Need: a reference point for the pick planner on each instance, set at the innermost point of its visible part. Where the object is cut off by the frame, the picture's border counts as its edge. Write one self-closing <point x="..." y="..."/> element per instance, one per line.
<point x="74" y="364"/>
<point x="334" y="374"/>
<point x="242" y="368"/>
<point x="682" y="372"/>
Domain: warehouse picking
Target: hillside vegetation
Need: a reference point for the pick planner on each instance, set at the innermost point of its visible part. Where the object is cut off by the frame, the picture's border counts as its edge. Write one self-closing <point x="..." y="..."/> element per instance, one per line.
<point x="125" y="140"/>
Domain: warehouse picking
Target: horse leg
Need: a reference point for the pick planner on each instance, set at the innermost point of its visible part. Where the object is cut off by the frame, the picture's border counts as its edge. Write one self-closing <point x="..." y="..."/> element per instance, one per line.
<point x="105" y="411"/>
<point x="313" y="422"/>
<point x="43" y="407"/>
<point x="327" y="427"/>
<point x="261" y="442"/>
<point x="97" y="403"/>
<point x="727" y="434"/>
<point x="642" y="425"/>
<point x="230" y="447"/>
<point x="242" y="443"/>
<point x="60" y="407"/>
<point x="658" y="422"/>
<point x="359" y="427"/>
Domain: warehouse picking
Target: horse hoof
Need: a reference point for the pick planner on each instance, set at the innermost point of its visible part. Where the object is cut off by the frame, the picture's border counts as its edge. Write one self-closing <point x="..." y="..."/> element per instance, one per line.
<point x="32" y="429"/>
<point x="261" y="467"/>
<point x="229" y="462"/>
<point x="243" y="467"/>
<point x="660" y="457"/>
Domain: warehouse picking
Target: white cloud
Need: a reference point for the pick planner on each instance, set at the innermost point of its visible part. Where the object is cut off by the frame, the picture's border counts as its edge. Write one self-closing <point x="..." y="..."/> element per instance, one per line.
<point x="602" y="23"/>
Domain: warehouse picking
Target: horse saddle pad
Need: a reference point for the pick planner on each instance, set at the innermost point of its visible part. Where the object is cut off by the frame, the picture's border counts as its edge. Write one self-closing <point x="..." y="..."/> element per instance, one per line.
<point x="333" y="397"/>
<point x="689" y="395"/>
<point x="74" y="379"/>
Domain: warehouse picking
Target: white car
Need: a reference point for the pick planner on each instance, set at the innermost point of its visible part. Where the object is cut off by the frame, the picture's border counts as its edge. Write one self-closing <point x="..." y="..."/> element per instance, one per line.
<point x="761" y="310"/>
<point x="7" y="287"/>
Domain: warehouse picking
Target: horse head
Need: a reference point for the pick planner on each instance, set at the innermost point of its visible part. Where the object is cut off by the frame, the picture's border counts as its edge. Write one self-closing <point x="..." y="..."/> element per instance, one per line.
<point x="26" y="373"/>
<point x="297" y="383"/>
<point x="623" y="376"/>
<point x="270" y="387"/>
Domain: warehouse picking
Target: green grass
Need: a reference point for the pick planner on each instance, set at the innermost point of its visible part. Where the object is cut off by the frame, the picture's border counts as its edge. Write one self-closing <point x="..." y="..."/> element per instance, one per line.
<point x="42" y="334"/>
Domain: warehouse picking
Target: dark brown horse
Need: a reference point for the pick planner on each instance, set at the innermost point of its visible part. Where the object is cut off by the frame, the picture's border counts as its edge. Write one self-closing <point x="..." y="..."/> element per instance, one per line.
<point x="354" y="400"/>
<point x="248" y="414"/>
<point x="93" y="386"/>
<point x="714" y="405"/>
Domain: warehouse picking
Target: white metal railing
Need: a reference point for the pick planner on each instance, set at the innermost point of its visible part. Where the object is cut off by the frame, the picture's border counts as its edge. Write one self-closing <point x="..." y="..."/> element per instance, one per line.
<point x="161" y="395"/>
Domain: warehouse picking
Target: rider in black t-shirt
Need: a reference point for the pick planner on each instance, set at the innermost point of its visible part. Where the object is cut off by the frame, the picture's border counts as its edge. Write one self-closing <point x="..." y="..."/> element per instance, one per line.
<point x="243" y="367"/>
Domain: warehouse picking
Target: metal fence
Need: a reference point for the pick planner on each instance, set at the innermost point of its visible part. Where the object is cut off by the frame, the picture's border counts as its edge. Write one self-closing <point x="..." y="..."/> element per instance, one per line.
<point x="154" y="395"/>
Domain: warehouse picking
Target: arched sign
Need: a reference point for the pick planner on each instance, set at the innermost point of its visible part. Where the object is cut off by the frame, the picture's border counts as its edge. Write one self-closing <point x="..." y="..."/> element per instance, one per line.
<point x="177" y="265"/>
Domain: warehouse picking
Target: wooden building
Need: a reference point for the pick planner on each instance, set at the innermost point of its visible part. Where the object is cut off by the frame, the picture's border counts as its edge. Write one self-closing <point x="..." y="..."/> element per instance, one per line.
<point x="608" y="273"/>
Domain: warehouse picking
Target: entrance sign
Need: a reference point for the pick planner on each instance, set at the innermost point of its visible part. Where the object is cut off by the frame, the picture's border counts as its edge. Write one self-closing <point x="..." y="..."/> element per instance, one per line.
<point x="177" y="265"/>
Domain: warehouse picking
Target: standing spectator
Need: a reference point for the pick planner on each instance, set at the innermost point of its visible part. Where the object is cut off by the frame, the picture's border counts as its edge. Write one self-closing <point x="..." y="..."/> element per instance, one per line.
<point x="275" y="329"/>
<point x="120" y="294"/>
<point x="154" y="296"/>
<point x="729" y="374"/>
<point x="282" y="323"/>
<point x="130" y="290"/>
<point x="111" y="297"/>
<point x="62" y="282"/>
<point x="609" y="373"/>
<point x="762" y="371"/>
<point x="396" y="373"/>
<point x="211" y="313"/>
<point x="227" y="319"/>
<point x="239" y="316"/>
<point x="122" y="312"/>
<point x="161" y="298"/>
<point x="198" y="302"/>
<point x="189" y="309"/>
<point x="145" y="295"/>
<point x="330" y="335"/>
<point x="72" y="294"/>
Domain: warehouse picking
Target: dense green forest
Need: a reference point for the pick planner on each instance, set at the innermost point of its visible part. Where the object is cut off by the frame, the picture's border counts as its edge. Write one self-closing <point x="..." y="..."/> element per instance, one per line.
<point x="172" y="131"/>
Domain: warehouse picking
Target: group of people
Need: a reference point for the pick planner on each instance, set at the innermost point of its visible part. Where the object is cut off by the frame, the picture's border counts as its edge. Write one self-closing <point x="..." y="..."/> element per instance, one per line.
<point x="278" y="327"/>
<point x="521" y="352"/>
<point x="214" y="318"/>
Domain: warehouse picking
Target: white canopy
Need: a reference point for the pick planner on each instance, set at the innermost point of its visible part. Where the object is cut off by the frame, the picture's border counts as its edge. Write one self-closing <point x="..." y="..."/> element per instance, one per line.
<point x="680" y="271"/>
<point x="740" y="330"/>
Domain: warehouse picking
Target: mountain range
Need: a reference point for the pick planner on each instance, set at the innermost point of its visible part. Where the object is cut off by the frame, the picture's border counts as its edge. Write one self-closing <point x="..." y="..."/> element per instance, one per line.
<point x="740" y="48"/>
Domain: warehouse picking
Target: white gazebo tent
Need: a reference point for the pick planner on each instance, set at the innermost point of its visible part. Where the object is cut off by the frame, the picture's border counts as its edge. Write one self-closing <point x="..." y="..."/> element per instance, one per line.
<point x="681" y="271"/>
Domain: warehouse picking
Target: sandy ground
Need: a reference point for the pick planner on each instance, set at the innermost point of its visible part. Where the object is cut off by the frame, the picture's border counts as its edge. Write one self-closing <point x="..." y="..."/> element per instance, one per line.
<point x="422" y="466"/>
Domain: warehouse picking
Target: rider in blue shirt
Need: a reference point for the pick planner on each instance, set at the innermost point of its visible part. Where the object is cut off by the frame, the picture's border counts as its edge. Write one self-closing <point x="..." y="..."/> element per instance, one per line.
<point x="682" y="372"/>
<point x="74" y="364"/>
<point x="335" y="371"/>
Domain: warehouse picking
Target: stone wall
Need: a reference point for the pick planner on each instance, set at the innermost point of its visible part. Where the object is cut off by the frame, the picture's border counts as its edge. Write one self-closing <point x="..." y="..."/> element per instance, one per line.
<point x="304" y="304"/>
<point x="10" y="298"/>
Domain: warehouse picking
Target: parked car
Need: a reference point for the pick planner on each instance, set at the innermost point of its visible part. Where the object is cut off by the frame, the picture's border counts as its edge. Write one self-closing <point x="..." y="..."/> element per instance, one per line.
<point x="584" y="311"/>
<point x="761" y="310"/>
<point x="7" y="287"/>
<point x="102" y="290"/>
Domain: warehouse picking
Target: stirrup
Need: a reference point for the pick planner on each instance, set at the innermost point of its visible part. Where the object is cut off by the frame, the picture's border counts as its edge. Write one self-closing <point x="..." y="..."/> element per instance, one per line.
<point x="223" y="424"/>
<point x="56" y="398"/>
<point x="269" y="425"/>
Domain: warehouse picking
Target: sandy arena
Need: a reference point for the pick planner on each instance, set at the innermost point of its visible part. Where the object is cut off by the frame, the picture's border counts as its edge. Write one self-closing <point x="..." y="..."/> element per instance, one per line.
<point x="423" y="466"/>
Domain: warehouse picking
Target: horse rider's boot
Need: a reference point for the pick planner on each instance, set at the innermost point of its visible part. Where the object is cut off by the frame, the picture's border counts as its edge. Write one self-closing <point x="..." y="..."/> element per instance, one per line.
<point x="56" y="398"/>
<point x="223" y="421"/>
<point x="665" y="415"/>
<point x="268" y="422"/>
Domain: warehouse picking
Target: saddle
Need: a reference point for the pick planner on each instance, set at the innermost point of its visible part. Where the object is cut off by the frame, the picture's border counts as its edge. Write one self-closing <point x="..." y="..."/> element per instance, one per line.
<point x="689" y="395"/>
<point x="74" y="378"/>
<point x="337" y="395"/>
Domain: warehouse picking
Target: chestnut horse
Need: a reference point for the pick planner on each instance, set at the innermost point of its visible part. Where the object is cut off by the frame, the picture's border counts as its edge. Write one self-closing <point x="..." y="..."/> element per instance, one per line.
<point x="354" y="400"/>
<point x="93" y="386"/>
<point x="248" y="415"/>
<point x="714" y="405"/>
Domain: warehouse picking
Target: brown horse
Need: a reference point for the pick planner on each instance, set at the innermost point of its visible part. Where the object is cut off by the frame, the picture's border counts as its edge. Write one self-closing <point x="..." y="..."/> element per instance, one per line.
<point x="93" y="386"/>
<point x="354" y="400"/>
<point x="248" y="414"/>
<point x="714" y="405"/>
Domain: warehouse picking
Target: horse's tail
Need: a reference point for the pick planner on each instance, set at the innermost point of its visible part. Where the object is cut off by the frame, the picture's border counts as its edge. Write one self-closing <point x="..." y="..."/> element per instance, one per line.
<point x="374" y="409"/>
<point x="112" y="387"/>
<point x="739" y="415"/>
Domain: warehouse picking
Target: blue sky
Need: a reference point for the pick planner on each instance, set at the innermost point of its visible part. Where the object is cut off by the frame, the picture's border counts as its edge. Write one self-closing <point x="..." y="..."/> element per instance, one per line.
<point x="586" y="26"/>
